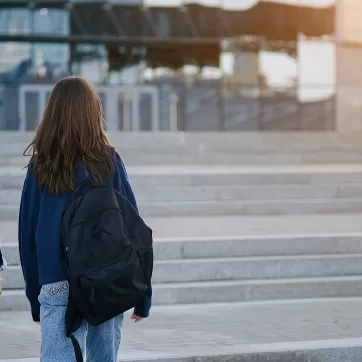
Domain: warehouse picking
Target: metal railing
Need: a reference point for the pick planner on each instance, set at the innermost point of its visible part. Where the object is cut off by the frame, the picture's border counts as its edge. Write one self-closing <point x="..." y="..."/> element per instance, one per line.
<point x="213" y="106"/>
<point x="208" y="105"/>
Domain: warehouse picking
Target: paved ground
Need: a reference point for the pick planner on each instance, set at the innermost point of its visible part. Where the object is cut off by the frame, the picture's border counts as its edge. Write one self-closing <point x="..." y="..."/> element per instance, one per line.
<point x="205" y="329"/>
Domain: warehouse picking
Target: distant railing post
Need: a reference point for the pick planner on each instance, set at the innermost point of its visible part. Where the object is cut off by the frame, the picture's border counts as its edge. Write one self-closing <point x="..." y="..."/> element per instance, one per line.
<point x="221" y="103"/>
<point x="174" y="112"/>
<point x="127" y="111"/>
<point x="300" y="116"/>
<point x="261" y="107"/>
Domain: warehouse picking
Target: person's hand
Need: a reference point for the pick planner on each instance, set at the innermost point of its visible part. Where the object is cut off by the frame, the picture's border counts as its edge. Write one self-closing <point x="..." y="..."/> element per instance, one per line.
<point x="38" y="323"/>
<point x="136" y="318"/>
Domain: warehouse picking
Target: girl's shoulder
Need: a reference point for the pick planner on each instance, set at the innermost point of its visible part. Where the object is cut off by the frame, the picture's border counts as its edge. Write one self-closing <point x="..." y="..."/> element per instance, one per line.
<point x="30" y="177"/>
<point x="117" y="158"/>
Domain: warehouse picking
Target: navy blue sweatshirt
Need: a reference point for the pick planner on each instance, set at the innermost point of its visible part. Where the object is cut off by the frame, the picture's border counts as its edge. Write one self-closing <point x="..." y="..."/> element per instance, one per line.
<point x="40" y="245"/>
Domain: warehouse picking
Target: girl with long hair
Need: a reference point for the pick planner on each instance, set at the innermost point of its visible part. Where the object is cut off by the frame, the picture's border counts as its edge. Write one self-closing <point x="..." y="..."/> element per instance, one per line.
<point x="68" y="143"/>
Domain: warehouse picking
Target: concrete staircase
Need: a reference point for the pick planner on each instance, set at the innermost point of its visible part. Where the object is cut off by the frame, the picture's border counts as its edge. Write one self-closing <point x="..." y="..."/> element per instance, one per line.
<point x="211" y="179"/>
<point x="237" y="269"/>
<point x="226" y="190"/>
<point x="215" y="148"/>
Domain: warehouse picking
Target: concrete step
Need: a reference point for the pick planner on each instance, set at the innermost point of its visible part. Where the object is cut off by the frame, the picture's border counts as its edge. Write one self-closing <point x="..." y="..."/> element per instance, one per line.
<point x="334" y="350"/>
<point x="238" y="175"/>
<point x="257" y="268"/>
<point x="167" y="158"/>
<point x="231" y="291"/>
<point x="217" y="148"/>
<point x="197" y="270"/>
<point x="218" y="141"/>
<point x="192" y="228"/>
<point x="253" y="290"/>
<point x="224" y="193"/>
<point x="221" y="208"/>
<point x="264" y="207"/>
<point x="182" y="176"/>
<point x="221" y="193"/>
<point x="238" y="246"/>
<point x="346" y="350"/>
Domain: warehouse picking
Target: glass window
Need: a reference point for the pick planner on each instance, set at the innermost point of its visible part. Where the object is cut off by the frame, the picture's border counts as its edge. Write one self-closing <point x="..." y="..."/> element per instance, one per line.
<point x="163" y="3"/>
<point x="125" y="2"/>
<point x="15" y="21"/>
<point x="51" y="21"/>
<point x="121" y="2"/>
<point x="38" y="21"/>
<point x="225" y="4"/>
<point x="50" y="60"/>
<point x="211" y="3"/>
<point x="13" y="55"/>
<point x="125" y="64"/>
<point x="25" y="61"/>
<point x="90" y="61"/>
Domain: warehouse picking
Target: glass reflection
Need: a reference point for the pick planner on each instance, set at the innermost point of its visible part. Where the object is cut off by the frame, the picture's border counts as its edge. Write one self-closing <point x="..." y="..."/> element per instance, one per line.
<point x="121" y="2"/>
<point x="163" y="3"/>
<point x="50" y="61"/>
<point x="51" y="21"/>
<point x="90" y="61"/>
<point x="15" y="21"/>
<point x="235" y="4"/>
<point x="12" y="56"/>
<point x="225" y="4"/>
<point x="125" y="2"/>
<point x="22" y="62"/>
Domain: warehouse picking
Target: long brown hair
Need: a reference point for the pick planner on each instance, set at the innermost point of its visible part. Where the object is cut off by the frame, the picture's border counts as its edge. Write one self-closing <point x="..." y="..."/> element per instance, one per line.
<point x="71" y="128"/>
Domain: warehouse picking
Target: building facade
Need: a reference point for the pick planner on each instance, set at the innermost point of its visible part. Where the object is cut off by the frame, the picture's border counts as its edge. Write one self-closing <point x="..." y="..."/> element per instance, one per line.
<point x="163" y="47"/>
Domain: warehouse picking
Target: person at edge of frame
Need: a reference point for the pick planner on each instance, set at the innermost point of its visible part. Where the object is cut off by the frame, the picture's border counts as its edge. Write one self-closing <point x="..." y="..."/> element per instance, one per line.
<point x="3" y="266"/>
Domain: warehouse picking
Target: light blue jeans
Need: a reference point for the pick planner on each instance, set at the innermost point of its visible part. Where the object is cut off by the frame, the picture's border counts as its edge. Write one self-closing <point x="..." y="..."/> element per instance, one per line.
<point x="98" y="344"/>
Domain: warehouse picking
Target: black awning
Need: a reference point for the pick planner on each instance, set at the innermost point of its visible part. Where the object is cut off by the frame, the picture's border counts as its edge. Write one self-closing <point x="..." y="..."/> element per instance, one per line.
<point x="173" y="36"/>
<point x="269" y="20"/>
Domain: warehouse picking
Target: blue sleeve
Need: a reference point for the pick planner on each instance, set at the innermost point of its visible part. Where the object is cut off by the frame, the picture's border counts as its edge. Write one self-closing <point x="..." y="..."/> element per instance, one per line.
<point x="121" y="184"/>
<point x="28" y="215"/>
<point x="121" y="181"/>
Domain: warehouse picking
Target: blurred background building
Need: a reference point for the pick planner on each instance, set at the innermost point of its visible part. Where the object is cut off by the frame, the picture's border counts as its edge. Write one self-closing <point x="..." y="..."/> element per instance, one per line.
<point x="171" y="64"/>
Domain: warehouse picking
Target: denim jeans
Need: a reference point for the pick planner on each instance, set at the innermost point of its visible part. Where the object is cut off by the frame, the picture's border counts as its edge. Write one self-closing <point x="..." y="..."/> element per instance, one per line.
<point x="98" y="344"/>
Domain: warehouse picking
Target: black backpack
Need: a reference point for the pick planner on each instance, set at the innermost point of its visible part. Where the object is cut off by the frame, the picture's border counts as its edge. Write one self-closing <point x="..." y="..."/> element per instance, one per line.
<point x="109" y="256"/>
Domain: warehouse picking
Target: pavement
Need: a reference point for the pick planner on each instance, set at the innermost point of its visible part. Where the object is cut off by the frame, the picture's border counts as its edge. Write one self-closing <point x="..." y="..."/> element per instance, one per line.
<point x="215" y="329"/>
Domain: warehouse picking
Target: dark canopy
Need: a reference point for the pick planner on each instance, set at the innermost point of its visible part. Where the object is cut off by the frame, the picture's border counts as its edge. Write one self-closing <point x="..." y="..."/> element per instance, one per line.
<point x="173" y="36"/>
<point x="269" y="20"/>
